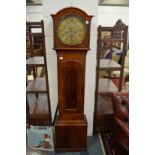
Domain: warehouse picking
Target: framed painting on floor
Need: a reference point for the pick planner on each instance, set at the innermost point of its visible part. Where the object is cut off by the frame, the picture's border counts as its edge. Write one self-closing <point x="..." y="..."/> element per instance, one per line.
<point x="40" y="138"/>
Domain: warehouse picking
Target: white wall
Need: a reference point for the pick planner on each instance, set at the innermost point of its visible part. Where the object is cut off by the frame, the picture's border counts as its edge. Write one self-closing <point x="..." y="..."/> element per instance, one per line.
<point x="34" y="13"/>
<point x="108" y="15"/>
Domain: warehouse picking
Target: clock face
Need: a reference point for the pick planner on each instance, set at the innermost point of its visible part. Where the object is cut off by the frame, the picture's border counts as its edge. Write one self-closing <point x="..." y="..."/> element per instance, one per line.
<point x="71" y="30"/>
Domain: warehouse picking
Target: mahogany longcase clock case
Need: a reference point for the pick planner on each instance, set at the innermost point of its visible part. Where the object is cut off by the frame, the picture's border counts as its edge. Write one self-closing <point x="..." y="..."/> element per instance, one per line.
<point x="71" y="42"/>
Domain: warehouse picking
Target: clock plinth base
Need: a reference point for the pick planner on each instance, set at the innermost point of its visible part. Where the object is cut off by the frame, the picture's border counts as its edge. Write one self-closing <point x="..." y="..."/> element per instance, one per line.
<point x="71" y="135"/>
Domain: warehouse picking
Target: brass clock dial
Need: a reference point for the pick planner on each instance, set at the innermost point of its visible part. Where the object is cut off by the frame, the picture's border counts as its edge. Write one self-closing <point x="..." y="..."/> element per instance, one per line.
<point x="71" y="30"/>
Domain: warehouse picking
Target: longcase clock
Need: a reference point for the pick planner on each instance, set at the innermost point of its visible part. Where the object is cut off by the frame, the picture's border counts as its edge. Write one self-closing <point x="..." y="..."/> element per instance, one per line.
<point x="71" y="42"/>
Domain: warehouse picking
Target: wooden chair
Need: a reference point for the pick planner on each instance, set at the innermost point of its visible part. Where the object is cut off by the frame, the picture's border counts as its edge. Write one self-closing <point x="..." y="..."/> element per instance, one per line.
<point x="37" y="91"/>
<point x="111" y="41"/>
<point x="121" y="117"/>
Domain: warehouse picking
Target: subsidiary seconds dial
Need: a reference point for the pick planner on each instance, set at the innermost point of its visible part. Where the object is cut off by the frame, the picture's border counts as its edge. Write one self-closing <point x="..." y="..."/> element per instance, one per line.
<point x="71" y="30"/>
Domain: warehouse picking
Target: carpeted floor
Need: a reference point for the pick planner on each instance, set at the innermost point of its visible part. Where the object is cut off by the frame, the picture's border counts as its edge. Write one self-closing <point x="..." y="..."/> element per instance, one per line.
<point x="94" y="147"/>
